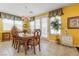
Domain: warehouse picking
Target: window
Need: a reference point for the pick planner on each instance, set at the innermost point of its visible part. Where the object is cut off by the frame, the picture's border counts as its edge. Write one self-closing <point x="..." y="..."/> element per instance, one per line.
<point x="7" y="24"/>
<point x="37" y="23"/>
<point x="32" y="25"/>
<point x="19" y="24"/>
<point x="55" y="21"/>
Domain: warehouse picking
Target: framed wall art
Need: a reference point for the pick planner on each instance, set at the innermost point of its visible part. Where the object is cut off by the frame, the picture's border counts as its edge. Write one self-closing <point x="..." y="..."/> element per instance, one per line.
<point x="73" y="22"/>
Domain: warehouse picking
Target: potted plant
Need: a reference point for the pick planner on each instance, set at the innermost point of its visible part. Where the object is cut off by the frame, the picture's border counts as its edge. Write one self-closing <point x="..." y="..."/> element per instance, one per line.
<point x="56" y="26"/>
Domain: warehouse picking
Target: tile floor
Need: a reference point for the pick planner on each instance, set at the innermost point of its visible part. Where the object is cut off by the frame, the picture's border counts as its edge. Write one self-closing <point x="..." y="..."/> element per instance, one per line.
<point x="47" y="49"/>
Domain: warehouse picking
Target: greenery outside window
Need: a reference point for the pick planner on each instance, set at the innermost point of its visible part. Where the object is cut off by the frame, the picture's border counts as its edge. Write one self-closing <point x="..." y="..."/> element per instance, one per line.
<point x="55" y="25"/>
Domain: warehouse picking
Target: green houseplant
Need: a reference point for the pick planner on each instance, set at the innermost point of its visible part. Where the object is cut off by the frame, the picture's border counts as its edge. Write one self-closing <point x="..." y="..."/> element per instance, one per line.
<point x="56" y="26"/>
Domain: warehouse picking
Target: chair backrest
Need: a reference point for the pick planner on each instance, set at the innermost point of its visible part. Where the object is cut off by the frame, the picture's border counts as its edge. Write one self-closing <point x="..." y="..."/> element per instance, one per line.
<point x="38" y="32"/>
<point x="37" y="35"/>
<point x="14" y="32"/>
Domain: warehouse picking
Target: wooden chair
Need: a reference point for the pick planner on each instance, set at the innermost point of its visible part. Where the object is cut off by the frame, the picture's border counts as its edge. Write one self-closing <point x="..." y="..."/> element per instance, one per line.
<point x="22" y="42"/>
<point x="18" y="41"/>
<point x="35" y="40"/>
<point x="15" y="38"/>
<point x="15" y="41"/>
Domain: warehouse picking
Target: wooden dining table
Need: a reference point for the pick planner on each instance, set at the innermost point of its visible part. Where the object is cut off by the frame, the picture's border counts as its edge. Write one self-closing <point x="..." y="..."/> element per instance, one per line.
<point x="26" y="35"/>
<point x="32" y="39"/>
<point x="25" y="38"/>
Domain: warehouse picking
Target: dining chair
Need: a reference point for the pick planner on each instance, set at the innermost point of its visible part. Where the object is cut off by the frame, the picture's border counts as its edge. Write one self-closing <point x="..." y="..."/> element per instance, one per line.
<point x="22" y="42"/>
<point x="35" y="40"/>
<point x="15" y="37"/>
<point x="15" y="41"/>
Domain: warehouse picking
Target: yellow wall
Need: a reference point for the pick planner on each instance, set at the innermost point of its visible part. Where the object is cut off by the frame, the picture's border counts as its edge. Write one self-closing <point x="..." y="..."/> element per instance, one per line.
<point x="71" y="11"/>
<point x="43" y="14"/>
<point x="0" y="29"/>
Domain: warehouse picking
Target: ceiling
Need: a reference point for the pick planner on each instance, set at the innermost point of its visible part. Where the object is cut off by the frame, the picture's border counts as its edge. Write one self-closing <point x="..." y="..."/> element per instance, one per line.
<point x="29" y="9"/>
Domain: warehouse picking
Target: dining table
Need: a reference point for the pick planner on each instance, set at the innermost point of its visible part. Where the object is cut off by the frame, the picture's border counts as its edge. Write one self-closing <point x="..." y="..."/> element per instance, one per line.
<point x="29" y="40"/>
<point x="25" y="38"/>
<point x="25" y="35"/>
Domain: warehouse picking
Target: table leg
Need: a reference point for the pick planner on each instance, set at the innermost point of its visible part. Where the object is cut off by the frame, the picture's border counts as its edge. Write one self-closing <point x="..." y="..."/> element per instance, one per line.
<point x="26" y="48"/>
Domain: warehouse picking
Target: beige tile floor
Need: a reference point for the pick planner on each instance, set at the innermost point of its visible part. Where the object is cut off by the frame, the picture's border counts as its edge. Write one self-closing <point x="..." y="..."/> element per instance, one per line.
<point x="47" y="49"/>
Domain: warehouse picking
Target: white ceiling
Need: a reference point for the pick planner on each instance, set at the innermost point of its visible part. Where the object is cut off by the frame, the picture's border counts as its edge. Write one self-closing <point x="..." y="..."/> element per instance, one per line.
<point x="24" y="9"/>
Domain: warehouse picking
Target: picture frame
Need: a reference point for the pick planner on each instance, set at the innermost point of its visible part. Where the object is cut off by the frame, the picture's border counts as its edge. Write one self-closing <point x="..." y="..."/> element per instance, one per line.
<point x="73" y="22"/>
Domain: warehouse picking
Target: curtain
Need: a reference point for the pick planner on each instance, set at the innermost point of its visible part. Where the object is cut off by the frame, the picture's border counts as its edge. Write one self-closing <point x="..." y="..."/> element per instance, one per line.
<point x="32" y="18"/>
<point x="9" y="16"/>
<point x="56" y="12"/>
